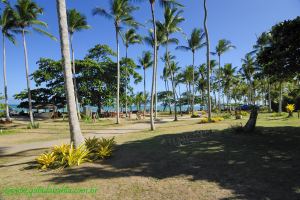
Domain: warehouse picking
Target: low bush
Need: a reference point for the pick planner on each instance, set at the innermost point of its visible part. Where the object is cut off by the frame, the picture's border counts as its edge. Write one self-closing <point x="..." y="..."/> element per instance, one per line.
<point x="106" y="147"/>
<point x="33" y="126"/>
<point x="87" y="119"/>
<point x="213" y="120"/>
<point x="278" y="114"/>
<point x="244" y="113"/>
<point x="290" y="108"/>
<point x="204" y="120"/>
<point x="100" y="148"/>
<point x="195" y="115"/>
<point x="216" y="119"/>
<point x="76" y="156"/>
<point x="46" y="160"/>
<point x="226" y="116"/>
<point x="68" y="156"/>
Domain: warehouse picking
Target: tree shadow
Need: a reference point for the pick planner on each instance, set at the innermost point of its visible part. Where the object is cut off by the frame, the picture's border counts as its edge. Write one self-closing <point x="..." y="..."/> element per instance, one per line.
<point x="256" y="166"/>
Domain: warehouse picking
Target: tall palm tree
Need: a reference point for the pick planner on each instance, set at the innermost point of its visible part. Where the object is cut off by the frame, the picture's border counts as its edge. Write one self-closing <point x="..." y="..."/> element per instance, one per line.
<point x="75" y="131"/>
<point x="76" y="22"/>
<point x="222" y="47"/>
<point x="145" y="62"/>
<point x="27" y="13"/>
<point x="130" y="38"/>
<point x="121" y="13"/>
<point x="160" y="40"/>
<point x="7" y="25"/>
<point x="172" y="18"/>
<point x="195" y="42"/>
<point x="154" y="72"/>
<point x="207" y="61"/>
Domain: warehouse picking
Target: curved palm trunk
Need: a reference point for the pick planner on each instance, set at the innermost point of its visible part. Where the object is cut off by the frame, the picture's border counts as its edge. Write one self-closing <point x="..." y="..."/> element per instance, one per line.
<point x="193" y="84"/>
<point x="75" y="131"/>
<point x="27" y="77"/>
<point x="126" y="84"/>
<point x="152" y="125"/>
<point x="208" y="63"/>
<point x="5" y="81"/>
<point x="118" y="75"/>
<point x="74" y="78"/>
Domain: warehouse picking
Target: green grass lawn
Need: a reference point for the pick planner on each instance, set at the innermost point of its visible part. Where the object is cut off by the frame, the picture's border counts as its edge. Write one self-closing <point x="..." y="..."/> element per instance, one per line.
<point x="220" y="165"/>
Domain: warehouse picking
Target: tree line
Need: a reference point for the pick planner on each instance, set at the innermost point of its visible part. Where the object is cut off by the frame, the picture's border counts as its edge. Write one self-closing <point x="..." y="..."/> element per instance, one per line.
<point x="269" y="75"/>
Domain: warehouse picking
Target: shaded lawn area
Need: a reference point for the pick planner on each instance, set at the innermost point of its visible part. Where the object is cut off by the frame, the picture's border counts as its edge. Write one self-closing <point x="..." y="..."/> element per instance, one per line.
<point x="222" y="165"/>
<point x="251" y="166"/>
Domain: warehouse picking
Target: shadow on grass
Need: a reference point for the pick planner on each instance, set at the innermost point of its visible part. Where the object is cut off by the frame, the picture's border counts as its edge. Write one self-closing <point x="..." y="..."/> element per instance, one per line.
<point x="258" y="166"/>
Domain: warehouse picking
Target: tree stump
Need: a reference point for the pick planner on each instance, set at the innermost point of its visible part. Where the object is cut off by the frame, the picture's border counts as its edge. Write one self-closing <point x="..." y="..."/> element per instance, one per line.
<point x="250" y="126"/>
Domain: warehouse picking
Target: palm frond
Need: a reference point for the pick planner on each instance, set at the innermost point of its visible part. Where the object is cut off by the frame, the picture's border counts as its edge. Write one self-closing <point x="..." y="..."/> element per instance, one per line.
<point x="43" y="32"/>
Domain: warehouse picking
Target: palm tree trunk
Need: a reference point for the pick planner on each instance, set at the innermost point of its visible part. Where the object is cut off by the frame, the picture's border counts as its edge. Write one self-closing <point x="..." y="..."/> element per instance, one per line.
<point x="126" y="83"/>
<point x="118" y="74"/>
<point x="155" y="114"/>
<point x="219" y="85"/>
<point x="169" y="100"/>
<point x="145" y="100"/>
<point x="152" y="125"/>
<point x="208" y="63"/>
<point x="269" y="97"/>
<point x="74" y="78"/>
<point x="172" y="80"/>
<point x="180" y="106"/>
<point x="27" y="77"/>
<point x="5" y="81"/>
<point x="280" y="97"/>
<point x="193" y="83"/>
<point x="75" y="131"/>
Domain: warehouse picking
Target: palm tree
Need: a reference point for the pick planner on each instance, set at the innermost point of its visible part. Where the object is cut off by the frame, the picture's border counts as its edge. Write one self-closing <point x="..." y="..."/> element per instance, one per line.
<point x="7" y="25"/>
<point x="195" y="42"/>
<point x="228" y="79"/>
<point x="154" y="72"/>
<point x="75" y="131"/>
<point x="27" y="13"/>
<point x="247" y="72"/>
<point x="188" y="77"/>
<point x="172" y="18"/>
<point x="165" y="78"/>
<point x="120" y="12"/>
<point x="145" y="62"/>
<point x="76" y="22"/>
<point x="160" y="40"/>
<point x="130" y="38"/>
<point x="222" y="47"/>
<point x="207" y="61"/>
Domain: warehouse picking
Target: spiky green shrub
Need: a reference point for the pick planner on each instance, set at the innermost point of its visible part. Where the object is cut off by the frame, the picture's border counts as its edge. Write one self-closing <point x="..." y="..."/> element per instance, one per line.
<point x="46" y="160"/>
<point x="92" y="144"/>
<point x="106" y="147"/>
<point x="61" y="152"/>
<point x="76" y="156"/>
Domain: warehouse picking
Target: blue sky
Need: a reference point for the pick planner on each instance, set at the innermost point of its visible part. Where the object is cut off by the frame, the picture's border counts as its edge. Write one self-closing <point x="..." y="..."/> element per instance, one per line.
<point x="239" y="21"/>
